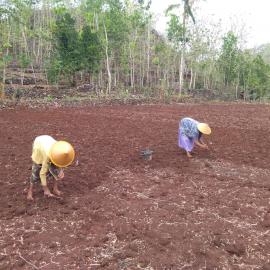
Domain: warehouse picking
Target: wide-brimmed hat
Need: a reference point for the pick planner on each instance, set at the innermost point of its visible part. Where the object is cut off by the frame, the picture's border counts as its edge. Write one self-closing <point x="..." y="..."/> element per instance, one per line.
<point x="204" y="128"/>
<point x="62" y="154"/>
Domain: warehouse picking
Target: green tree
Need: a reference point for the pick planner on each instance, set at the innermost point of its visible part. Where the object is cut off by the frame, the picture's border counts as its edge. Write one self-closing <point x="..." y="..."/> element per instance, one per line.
<point x="229" y="58"/>
<point x="24" y="61"/>
<point x="180" y="33"/>
<point x="67" y="49"/>
<point x="5" y="55"/>
<point x="90" y="50"/>
<point x="260" y="77"/>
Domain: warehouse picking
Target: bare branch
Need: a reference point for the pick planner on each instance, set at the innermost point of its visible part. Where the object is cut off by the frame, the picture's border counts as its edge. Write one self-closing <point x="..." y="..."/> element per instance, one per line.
<point x="171" y="7"/>
<point x="35" y="267"/>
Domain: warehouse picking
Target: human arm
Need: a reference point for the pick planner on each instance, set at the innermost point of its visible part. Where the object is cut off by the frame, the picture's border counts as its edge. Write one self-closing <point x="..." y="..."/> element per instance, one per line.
<point x="200" y="143"/>
<point x="56" y="172"/>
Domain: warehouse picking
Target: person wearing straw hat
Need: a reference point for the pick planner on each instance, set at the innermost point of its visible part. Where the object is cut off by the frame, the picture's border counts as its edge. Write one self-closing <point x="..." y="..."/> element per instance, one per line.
<point x="49" y="158"/>
<point x="190" y="133"/>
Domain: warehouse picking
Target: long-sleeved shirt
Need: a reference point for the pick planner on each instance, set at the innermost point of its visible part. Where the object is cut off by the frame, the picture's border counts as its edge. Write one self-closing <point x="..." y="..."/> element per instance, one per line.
<point x="188" y="127"/>
<point x="40" y="155"/>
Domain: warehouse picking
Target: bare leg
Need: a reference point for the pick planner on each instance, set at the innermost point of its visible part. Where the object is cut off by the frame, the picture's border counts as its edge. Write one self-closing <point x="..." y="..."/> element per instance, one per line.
<point x="30" y="193"/>
<point x="56" y="191"/>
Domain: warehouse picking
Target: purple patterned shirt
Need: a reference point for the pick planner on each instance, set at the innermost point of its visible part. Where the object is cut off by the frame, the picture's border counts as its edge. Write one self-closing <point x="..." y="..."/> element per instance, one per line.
<point x="188" y="127"/>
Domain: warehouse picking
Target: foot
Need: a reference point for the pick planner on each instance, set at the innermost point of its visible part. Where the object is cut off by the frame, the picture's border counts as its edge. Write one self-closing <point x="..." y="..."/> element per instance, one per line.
<point x="189" y="155"/>
<point x="57" y="192"/>
<point x="30" y="196"/>
<point x="47" y="193"/>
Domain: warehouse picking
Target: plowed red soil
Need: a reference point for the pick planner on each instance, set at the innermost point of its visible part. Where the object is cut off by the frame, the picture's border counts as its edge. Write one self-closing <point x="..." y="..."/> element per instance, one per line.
<point x="122" y="212"/>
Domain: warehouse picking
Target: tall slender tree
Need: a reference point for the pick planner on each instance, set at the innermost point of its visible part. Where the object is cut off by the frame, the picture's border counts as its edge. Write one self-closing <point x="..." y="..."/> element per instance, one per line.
<point x="186" y="13"/>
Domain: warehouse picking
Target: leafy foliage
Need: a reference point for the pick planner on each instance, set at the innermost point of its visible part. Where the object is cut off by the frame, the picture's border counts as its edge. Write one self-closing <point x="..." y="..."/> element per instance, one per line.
<point x="175" y="30"/>
<point x="228" y="60"/>
<point x="116" y="40"/>
<point x="90" y="50"/>
<point x="67" y="43"/>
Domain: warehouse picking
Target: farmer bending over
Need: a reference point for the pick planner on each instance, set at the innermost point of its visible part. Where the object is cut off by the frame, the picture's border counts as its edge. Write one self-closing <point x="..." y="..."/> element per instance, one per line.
<point x="49" y="158"/>
<point x="190" y="133"/>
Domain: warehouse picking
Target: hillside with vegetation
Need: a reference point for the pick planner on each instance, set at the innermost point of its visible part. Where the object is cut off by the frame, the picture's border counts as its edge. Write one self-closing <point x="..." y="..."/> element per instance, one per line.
<point x="110" y="47"/>
<point x="264" y="51"/>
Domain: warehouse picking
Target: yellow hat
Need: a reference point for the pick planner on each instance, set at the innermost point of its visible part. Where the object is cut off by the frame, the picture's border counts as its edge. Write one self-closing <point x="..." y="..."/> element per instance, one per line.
<point x="62" y="154"/>
<point x="204" y="128"/>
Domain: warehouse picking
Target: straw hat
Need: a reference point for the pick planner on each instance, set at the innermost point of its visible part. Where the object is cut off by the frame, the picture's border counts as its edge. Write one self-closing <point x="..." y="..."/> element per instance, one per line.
<point x="204" y="128"/>
<point x="62" y="154"/>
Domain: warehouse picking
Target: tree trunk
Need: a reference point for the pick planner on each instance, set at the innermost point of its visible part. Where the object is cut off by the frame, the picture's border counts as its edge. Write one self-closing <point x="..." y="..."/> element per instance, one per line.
<point x="236" y="87"/>
<point x="131" y="67"/>
<point x="194" y="80"/>
<point x="140" y="73"/>
<point x="28" y="54"/>
<point x="182" y="58"/>
<point x="2" y="85"/>
<point x="133" y="72"/>
<point x="191" y="78"/>
<point x="148" y="55"/>
<point x="181" y="68"/>
<point x="107" y="62"/>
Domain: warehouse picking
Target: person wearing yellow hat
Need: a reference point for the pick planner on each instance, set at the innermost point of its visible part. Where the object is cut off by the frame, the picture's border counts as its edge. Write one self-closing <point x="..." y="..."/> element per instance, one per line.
<point x="49" y="158"/>
<point x="190" y="133"/>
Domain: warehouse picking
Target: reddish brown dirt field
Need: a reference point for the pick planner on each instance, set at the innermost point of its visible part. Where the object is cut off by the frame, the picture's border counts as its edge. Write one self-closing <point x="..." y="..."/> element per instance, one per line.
<point x="121" y="212"/>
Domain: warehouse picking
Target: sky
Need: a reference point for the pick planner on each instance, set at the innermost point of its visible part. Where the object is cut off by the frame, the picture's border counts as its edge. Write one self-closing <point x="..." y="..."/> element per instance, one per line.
<point x="253" y="15"/>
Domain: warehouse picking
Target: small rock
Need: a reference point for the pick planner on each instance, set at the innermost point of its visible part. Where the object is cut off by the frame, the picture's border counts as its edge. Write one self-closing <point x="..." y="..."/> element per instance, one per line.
<point x="165" y="240"/>
<point x="20" y="211"/>
<point x="20" y="263"/>
<point x="74" y="207"/>
<point x="61" y="201"/>
<point x="235" y="249"/>
<point x="38" y="227"/>
<point x="217" y="242"/>
<point x="133" y="247"/>
<point x="52" y="245"/>
<point x="2" y="257"/>
<point x="207" y="164"/>
<point x="265" y="267"/>
<point x="144" y="263"/>
<point x="65" y="211"/>
<point x="266" y="220"/>
<point x="105" y="263"/>
<point x="30" y="212"/>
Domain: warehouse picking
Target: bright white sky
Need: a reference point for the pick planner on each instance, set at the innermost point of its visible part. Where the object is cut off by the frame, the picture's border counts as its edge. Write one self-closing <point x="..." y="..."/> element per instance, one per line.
<point x="253" y="15"/>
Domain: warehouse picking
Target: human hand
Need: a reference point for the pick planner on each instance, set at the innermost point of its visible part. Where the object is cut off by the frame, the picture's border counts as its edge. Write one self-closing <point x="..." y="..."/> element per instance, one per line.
<point x="60" y="176"/>
<point x="205" y="146"/>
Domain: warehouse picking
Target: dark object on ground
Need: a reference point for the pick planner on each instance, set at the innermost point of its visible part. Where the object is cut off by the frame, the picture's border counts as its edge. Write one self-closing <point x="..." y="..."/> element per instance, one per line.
<point x="147" y="154"/>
